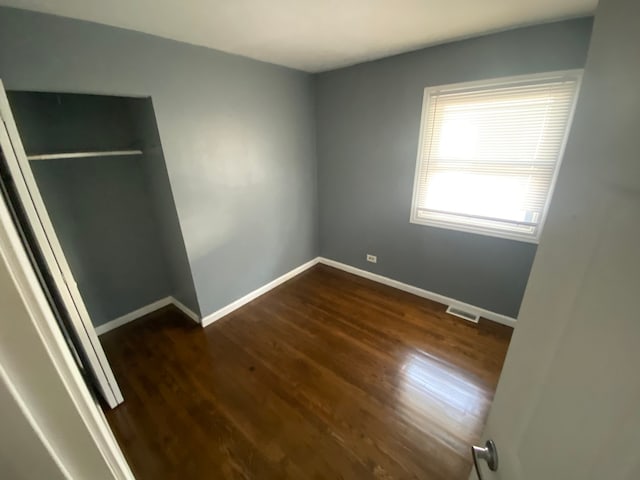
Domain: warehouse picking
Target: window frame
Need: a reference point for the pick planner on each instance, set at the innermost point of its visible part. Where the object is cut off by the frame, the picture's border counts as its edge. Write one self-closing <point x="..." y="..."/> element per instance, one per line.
<point x="429" y="91"/>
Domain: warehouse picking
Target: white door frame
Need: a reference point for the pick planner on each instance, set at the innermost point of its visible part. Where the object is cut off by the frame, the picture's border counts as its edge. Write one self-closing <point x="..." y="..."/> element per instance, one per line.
<point x="12" y="250"/>
<point x="47" y="239"/>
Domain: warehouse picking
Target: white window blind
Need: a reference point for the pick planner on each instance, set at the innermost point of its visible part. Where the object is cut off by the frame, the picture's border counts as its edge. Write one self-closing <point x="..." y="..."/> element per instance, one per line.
<point x="489" y="153"/>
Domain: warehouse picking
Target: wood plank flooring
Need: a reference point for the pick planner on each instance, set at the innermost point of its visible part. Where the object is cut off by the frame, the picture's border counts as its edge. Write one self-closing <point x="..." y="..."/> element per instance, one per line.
<point x="329" y="376"/>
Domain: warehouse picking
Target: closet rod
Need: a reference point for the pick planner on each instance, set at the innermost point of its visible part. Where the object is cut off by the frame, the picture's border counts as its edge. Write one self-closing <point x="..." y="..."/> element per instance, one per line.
<point x="55" y="156"/>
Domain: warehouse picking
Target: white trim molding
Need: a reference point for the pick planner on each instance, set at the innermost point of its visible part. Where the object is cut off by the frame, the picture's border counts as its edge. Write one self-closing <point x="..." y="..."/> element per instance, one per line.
<point x="45" y="237"/>
<point x="186" y="310"/>
<point x="218" y="314"/>
<point x="24" y="409"/>
<point x="436" y="297"/>
<point x="13" y="253"/>
<point x="131" y="316"/>
<point x="142" y="311"/>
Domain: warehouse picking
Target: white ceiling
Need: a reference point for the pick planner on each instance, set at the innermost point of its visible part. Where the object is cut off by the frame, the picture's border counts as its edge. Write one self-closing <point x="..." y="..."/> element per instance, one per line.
<point x="313" y="35"/>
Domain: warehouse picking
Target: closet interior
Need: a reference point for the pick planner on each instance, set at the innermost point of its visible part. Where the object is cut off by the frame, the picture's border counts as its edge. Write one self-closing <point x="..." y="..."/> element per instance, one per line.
<point x="98" y="164"/>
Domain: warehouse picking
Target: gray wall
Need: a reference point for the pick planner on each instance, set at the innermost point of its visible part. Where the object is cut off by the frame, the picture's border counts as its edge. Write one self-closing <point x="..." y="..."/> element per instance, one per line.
<point x="103" y="216"/>
<point x="157" y="178"/>
<point x="239" y="141"/>
<point x="368" y="118"/>
<point x="101" y="208"/>
<point x="238" y="137"/>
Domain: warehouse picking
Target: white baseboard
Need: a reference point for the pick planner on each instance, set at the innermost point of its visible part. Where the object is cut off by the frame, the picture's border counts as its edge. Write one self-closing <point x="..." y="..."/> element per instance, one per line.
<point x="131" y="316"/>
<point x="436" y="297"/>
<point x="186" y="310"/>
<point x="218" y="314"/>
<point x="142" y="311"/>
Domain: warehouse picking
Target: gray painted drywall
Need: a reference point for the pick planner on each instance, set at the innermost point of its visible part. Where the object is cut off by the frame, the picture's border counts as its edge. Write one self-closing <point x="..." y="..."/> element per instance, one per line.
<point x="101" y="208"/>
<point x="238" y="137"/>
<point x="175" y="254"/>
<point x="103" y="216"/>
<point x="368" y="119"/>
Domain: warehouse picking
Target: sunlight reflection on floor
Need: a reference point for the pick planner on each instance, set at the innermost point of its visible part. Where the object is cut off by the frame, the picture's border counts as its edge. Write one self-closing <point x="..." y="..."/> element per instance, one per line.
<point x="436" y="394"/>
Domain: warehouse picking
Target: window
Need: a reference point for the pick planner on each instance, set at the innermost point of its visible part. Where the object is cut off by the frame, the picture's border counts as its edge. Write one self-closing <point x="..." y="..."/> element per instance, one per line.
<point x="489" y="153"/>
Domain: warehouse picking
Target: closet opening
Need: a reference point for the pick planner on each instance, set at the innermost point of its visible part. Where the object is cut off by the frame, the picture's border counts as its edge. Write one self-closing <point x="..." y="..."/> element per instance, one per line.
<point x="88" y="173"/>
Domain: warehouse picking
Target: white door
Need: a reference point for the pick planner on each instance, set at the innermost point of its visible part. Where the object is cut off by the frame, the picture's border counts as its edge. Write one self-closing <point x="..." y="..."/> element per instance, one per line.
<point x="45" y="236"/>
<point x="568" y="402"/>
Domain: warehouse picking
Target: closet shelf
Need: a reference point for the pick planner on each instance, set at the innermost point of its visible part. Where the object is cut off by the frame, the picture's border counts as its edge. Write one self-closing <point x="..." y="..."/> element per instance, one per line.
<point x="112" y="153"/>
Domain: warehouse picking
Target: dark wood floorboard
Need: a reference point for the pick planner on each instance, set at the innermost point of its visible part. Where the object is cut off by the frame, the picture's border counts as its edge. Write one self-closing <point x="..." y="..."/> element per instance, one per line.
<point x="329" y="376"/>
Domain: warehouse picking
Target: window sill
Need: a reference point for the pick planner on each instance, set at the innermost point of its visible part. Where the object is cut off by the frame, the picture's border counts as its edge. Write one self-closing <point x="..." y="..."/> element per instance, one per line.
<point x="478" y="231"/>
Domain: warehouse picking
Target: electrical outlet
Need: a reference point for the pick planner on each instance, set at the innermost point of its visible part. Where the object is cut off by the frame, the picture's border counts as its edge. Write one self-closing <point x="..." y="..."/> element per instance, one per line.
<point x="372" y="258"/>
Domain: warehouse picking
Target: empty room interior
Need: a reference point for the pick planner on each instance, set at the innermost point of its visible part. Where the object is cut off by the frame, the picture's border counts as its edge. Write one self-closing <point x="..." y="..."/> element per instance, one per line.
<point x="329" y="240"/>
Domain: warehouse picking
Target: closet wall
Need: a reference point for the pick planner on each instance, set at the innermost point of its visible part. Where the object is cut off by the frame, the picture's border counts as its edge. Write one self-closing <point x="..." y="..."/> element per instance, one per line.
<point x="238" y="136"/>
<point x="113" y="215"/>
<point x="175" y="253"/>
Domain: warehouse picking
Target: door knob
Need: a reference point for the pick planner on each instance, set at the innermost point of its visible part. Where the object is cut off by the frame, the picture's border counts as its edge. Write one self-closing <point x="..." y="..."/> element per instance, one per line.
<point x="488" y="453"/>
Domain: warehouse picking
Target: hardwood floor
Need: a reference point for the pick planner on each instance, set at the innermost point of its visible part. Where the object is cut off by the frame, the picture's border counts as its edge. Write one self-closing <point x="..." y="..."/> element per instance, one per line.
<point x="328" y="376"/>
